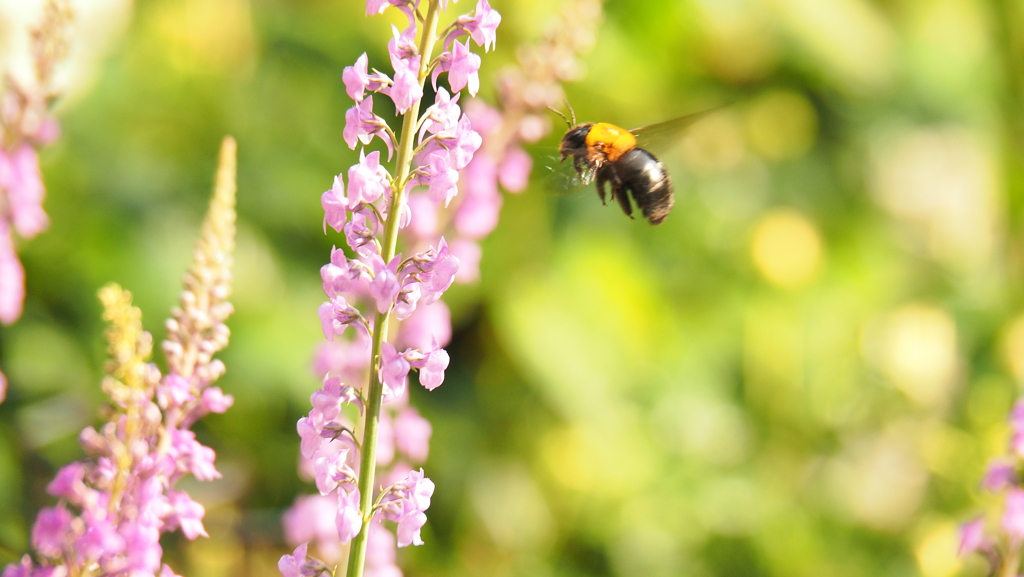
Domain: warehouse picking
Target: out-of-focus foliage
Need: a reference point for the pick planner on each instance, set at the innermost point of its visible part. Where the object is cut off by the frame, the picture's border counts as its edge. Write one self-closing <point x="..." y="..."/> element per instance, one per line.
<point x="801" y="372"/>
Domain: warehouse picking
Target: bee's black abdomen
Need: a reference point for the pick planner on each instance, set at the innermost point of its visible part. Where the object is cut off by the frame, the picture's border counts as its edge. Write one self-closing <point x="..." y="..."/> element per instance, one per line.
<point x="643" y="174"/>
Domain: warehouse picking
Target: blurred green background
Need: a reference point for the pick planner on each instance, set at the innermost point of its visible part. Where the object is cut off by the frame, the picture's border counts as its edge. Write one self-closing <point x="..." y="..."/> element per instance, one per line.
<point x="801" y="372"/>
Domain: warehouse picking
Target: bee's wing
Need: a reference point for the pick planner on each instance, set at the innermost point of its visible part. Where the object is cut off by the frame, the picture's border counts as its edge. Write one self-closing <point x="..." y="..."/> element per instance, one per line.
<point x="663" y="135"/>
<point x="562" y="178"/>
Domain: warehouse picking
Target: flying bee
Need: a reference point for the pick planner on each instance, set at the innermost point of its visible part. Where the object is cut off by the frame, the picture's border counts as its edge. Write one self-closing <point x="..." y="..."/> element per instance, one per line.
<point x="610" y="155"/>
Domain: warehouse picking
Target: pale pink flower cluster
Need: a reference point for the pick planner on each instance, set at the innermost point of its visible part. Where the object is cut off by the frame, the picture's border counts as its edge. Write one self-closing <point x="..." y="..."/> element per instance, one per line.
<point x="113" y="507"/>
<point x="25" y="125"/>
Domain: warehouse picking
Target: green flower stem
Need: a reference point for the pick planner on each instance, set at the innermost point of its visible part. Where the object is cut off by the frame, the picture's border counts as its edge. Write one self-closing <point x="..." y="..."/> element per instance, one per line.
<point x="368" y="461"/>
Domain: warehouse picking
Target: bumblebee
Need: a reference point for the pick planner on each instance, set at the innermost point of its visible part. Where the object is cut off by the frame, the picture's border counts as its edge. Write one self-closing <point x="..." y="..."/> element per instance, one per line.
<point x="610" y="155"/>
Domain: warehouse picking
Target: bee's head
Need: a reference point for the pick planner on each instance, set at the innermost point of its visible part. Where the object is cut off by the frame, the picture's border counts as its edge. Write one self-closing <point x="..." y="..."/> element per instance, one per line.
<point x="574" y="143"/>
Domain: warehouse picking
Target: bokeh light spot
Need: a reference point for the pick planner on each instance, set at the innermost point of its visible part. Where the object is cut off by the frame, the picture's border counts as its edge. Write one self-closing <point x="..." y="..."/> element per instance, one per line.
<point x="786" y="248"/>
<point x="781" y="125"/>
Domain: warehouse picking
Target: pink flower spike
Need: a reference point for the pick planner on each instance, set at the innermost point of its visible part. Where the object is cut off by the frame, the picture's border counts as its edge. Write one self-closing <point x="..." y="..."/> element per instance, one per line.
<point x="972" y="536"/>
<point x="3" y="387"/>
<point x="291" y="565"/>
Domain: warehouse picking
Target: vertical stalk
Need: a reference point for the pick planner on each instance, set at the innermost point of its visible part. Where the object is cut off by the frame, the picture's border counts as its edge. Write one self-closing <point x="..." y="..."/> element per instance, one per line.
<point x="368" y="458"/>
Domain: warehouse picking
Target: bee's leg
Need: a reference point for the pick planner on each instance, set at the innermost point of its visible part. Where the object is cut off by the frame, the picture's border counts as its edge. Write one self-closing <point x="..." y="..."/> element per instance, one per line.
<point x="620" y="194"/>
<point x="601" y="179"/>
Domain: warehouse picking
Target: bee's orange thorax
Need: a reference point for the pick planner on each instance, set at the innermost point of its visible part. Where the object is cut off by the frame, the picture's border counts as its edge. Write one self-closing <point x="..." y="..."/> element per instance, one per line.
<point x="610" y="139"/>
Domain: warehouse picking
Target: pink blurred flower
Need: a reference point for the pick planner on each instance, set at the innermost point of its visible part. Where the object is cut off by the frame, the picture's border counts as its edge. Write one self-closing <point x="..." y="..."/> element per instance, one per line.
<point x="428" y="324"/>
<point x="412" y="434"/>
<point x="972" y="536"/>
<point x="12" y="278"/>
<point x="469" y="254"/>
<point x="291" y="565"/>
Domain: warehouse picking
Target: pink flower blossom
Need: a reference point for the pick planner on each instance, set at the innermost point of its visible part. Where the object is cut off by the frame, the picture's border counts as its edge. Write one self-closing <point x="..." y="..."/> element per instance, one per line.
<point x="336" y="315"/>
<point x="215" y="401"/>
<point x="469" y="254"/>
<point x="412" y="434"/>
<point x="462" y="66"/>
<point x="357" y="80"/>
<point x="348" y="520"/>
<point x="68" y="483"/>
<point x="514" y="172"/>
<point x="367" y="180"/>
<point x="312" y="518"/>
<point x="384" y="287"/>
<point x="431" y="366"/>
<point x="998" y="476"/>
<point x="478" y="214"/>
<point x="972" y="536"/>
<point x="361" y="125"/>
<point x="483" y="25"/>
<point x="1013" y="517"/>
<point x="187" y="514"/>
<point x="334" y="204"/>
<point x="20" y="177"/>
<point x="380" y="553"/>
<point x="12" y="278"/>
<point x="291" y="565"/>
<point x="360" y="233"/>
<point x="425" y="211"/>
<point x="405" y="504"/>
<point x="49" y="534"/>
<point x="428" y="324"/>
<point x="394" y="368"/>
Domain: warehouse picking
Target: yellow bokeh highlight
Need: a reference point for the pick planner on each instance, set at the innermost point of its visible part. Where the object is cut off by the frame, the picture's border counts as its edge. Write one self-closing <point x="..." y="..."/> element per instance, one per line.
<point x="715" y="144"/>
<point x="915" y="347"/>
<point x="209" y="36"/>
<point x="1012" y="348"/>
<point x="781" y="125"/>
<point x="786" y="248"/>
<point x="936" y="552"/>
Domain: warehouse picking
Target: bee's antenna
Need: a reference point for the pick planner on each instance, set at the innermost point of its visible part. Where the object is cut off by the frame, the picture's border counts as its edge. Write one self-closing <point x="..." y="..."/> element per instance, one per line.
<point x="571" y="111"/>
<point x="566" y="119"/>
